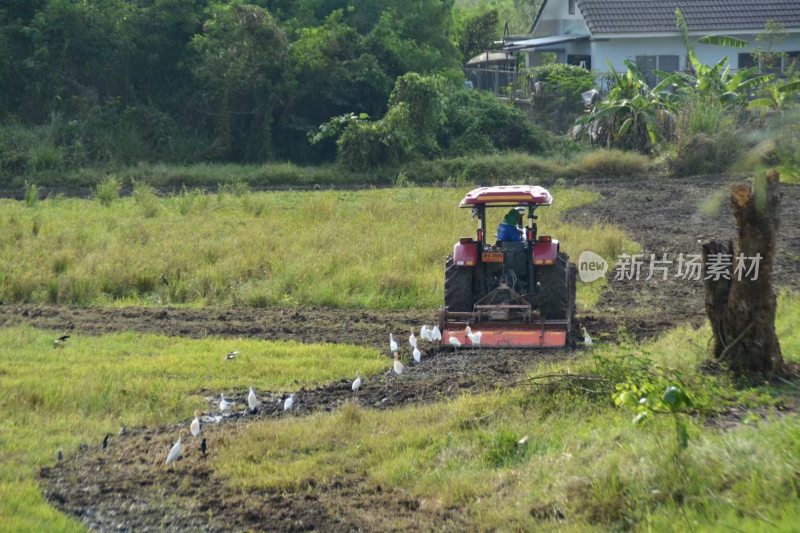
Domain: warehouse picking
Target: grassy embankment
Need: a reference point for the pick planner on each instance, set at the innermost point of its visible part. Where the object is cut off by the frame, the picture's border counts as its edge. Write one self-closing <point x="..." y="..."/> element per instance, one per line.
<point x="371" y="248"/>
<point x="584" y="458"/>
<point x="509" y="167"/>
<point x="58" y="398"/>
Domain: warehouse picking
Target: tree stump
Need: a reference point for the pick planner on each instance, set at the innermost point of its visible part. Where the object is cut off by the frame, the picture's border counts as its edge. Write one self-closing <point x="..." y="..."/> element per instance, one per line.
<point x="739" y="298"/>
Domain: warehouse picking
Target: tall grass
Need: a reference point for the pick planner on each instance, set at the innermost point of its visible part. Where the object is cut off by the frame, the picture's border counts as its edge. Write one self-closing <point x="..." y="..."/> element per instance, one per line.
<point x="612" y="163"/>
<point x="706" y="137"/>
<point x="377" y="248"/>
<point x="59" y="398"/>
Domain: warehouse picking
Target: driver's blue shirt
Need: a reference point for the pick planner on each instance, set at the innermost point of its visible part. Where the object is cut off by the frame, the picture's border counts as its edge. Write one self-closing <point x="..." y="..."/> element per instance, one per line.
<point x="508" y="233"/>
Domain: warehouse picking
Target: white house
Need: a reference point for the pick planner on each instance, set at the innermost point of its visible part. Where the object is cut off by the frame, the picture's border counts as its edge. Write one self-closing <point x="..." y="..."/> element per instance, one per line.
<point x="595" y="33"/>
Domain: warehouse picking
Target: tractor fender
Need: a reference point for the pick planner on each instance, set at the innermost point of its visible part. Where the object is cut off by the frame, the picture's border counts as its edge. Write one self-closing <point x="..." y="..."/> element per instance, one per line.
<point x="545" y="252"/>
<point x="465" y="253"/>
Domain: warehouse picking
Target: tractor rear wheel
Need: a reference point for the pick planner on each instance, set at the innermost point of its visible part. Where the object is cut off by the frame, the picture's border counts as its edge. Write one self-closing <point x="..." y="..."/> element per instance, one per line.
<point x="557" y="290"/>
<point x="457" y="287"/>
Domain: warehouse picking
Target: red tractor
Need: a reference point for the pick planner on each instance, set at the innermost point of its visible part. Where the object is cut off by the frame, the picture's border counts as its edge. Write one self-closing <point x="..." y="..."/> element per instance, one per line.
<point x="518" y="292"/>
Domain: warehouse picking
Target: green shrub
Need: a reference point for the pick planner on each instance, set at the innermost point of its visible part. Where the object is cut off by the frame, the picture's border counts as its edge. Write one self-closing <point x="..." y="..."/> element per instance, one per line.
<point x="706" y="137"/>
<point x="145" y="195"/>
<point x="365" y="145"/>
<point x="704" y="154"/>
<point x="559" y="101"/>
<point x="108" y="190"/>
<point x="31" y="194"/>
<point x="428" y="116"/>
<point x="477" y="121"/>
<point x="612" y="163"/>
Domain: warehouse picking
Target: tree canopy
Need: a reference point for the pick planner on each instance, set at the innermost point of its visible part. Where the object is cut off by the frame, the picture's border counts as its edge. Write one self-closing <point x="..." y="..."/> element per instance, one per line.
<point x="212" y="79"/>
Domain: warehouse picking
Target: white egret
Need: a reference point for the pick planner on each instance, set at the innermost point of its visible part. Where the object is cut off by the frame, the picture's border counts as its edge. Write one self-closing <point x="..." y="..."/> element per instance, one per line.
<point x="454" y="342"/>
<point x="412" y="339"/>
<point x="398" y="366"/>
<point x="474" y="338"/>
<point x="436" y="334"/>
<point x="523" y="441"/>
<point x="287" y="405"/>
<point x="424" y="332"/>
<point x="392" y="344"/>
<point x="252" y="401"/>
<point x="175" y="451"/>
<point x="224" y="405"/>
<point x="194" y="427"/>
<point x="587" y="340"/>
<point x="357" y="384"/>
<point x="417" y="355"/>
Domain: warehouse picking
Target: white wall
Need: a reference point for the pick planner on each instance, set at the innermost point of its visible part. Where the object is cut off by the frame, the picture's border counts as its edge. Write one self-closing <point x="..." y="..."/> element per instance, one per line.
<point x="617" y="49"/>
<point x="556" y="20"/>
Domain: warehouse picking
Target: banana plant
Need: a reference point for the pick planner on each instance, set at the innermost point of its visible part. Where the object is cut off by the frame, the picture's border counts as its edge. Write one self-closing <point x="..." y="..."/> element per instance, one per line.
<point x="632" y="114"/>
<point x="718" y="80"/>
<point x="775" y="96"/>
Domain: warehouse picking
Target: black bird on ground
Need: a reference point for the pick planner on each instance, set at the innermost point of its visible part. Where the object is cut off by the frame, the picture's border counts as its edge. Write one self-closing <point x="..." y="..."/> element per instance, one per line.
<point x="60" y="341"/>
<point x="105" y="441"/>
<point x="60" y="456"/>
<point x="203" y="447"/>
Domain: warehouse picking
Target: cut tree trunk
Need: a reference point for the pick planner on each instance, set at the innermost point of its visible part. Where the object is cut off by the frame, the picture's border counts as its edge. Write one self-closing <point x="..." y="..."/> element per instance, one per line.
<point x="739" y="304"/>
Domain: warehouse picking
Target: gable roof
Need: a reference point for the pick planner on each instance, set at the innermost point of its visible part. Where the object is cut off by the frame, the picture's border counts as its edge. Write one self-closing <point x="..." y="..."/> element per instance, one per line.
<point x="645" y="16"/>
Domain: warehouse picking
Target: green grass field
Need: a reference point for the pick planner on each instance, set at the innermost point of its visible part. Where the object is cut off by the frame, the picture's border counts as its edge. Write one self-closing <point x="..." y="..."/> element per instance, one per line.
<point x="373" y="248"/>
<point x="584" y="457"/>
<point x="58" y="398"/>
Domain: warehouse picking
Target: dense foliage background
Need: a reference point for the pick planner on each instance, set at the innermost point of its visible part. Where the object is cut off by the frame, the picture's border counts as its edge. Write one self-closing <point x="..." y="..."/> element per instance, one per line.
<point x="124" y="81"/>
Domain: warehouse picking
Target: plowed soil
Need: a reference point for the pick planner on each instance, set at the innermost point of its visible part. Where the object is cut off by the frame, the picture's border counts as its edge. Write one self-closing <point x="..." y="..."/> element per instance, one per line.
<point x="127" y="488"/>
<point x="668" y="218"/>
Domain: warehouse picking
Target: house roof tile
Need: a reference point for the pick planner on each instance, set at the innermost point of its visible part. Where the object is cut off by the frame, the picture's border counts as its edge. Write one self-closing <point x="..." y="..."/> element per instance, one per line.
<point x="636" y="16"/>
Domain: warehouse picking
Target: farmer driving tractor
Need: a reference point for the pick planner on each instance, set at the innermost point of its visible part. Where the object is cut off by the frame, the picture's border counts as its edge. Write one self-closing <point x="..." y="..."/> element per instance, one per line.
<point x="508" y="230"/>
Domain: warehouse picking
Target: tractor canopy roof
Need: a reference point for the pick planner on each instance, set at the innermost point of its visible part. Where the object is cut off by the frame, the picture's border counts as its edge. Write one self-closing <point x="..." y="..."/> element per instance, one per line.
<point x="507" y="195"/>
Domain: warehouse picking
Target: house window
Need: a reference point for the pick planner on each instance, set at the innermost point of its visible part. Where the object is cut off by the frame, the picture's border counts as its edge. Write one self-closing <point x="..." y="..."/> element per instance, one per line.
<point x="786" y="63"/>
<point x="648" y="65"/>
<point x="746" y="61"/>
<point x="584" y="61"/>
<point x="571" y="7"/>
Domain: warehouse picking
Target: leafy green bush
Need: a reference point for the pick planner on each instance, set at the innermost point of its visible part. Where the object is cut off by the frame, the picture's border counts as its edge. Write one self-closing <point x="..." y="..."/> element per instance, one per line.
<point x="477" y="121"/>
<point x="559" y="100"/>
<point x="430" y="115"/>
<point x="612" y="163"/>
<point x="31" y="194"/>
<point x="366" y="145"/>
<point x="108" y="190"/>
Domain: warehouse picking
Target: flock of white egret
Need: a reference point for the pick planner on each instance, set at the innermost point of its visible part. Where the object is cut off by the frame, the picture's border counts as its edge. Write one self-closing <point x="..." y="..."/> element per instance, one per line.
<point x="427" y="334"/>
<point x="225" y="407"/>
